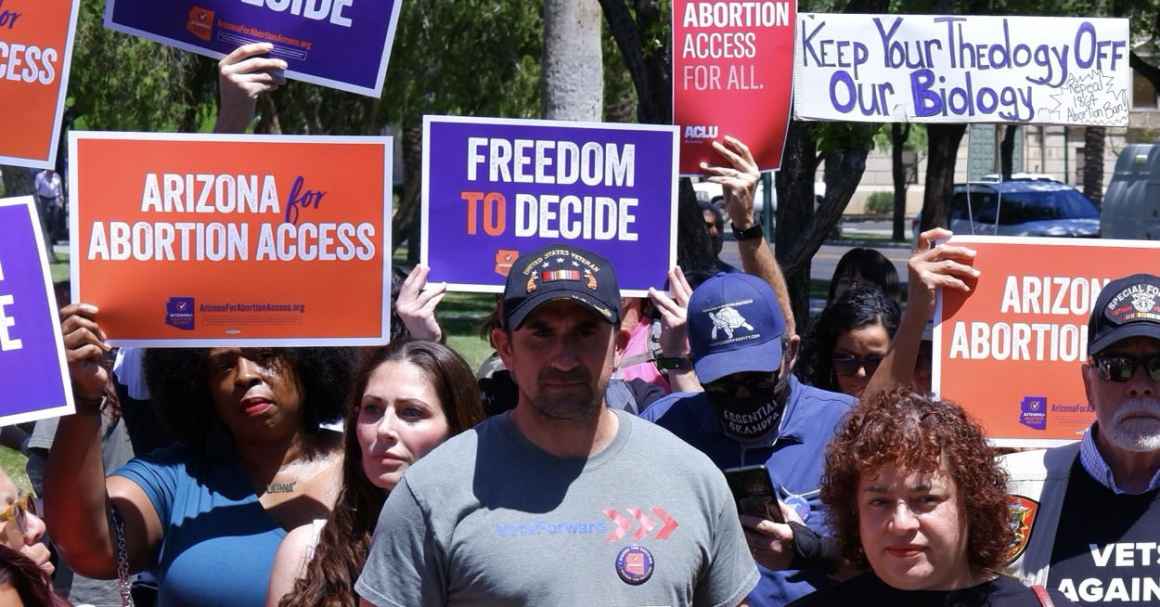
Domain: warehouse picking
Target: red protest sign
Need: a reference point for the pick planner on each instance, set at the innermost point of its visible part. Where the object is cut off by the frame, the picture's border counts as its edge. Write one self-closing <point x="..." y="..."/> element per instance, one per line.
<point x="36" y="38"/>
<point x="1010" y="351"/>
<point x="732" y="75"/>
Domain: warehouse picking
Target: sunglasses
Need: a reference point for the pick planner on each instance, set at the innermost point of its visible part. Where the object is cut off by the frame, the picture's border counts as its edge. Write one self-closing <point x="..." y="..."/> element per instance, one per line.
<point x="848" y="364"/>
<point x="1122" y="367"/>
<point x="19" y="509"/>
<point x="731" y="385"/>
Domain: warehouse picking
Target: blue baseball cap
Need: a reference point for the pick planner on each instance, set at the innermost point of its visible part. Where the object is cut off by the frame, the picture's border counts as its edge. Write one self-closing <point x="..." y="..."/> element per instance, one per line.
<point x="735" y="326"/>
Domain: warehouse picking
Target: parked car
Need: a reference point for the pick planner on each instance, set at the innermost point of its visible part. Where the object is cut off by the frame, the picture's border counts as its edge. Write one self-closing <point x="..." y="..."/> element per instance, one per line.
<point x="1025" y="207"/>
<point x="1131" y="206"/>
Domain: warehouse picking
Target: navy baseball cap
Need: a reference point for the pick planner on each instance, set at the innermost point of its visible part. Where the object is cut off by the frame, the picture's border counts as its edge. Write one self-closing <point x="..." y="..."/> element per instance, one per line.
<point x="1127" y="307"/>
<point x="735" y="326"/>
<point x="560" y="272"/>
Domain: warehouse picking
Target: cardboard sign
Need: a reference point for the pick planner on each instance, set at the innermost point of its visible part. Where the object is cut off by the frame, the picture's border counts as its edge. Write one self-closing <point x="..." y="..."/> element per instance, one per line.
<point x="925" y="68"/>
<point x="34" y="379"/>
<point x="232" y="240"/>
<point x="341" y="44"/>
<point x="36" y="41"/>
<point x="728" y="59"/>
<point x="1010" y="352"/>
<point x="495" y="188"/>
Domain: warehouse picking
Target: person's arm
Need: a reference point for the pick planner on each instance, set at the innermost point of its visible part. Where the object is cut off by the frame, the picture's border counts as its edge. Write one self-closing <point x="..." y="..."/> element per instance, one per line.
<point x="930" y="268"/>
<point x="674" y="340"/>
<point x="75" y="487"/>
<point x="290" y="563"/>
<point x="243" y="76"/>
<point x="739" y="183"/>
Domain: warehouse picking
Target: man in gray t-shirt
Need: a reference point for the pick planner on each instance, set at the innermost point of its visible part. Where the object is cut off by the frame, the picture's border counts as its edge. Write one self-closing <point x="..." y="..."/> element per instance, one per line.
<point x="560" y="501"/>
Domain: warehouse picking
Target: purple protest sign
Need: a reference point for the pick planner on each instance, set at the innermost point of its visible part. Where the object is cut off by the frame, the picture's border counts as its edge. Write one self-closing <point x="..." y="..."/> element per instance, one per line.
<point x="34" y="382"/>
<point x="494" y="188"/>
<point x="341" y="44"/>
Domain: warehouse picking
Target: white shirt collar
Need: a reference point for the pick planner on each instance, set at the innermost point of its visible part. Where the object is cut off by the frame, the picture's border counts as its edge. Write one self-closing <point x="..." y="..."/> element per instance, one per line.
<point x="1093" y="462"/>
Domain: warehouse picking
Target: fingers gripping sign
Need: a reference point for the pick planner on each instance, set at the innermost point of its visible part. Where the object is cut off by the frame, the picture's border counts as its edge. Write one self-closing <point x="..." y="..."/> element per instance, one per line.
<point x="85" y="348"/>
<point x="244" y="75"/>
<point x="674" y="307"/>
<point x="417" y="302"/>
<point x="934" y="266"/>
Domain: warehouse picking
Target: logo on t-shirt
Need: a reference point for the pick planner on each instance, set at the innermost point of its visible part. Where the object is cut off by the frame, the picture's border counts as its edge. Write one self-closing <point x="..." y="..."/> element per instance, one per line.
<point x="1021" y="517"/>
<point x="635" y="564"/>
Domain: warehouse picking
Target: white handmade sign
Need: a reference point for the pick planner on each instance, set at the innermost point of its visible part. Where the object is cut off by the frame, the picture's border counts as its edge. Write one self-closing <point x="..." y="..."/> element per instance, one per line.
<point x="930" y="68"/>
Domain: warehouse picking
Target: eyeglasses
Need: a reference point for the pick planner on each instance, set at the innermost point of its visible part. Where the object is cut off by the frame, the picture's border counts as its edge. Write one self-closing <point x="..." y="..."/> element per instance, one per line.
<point x="1122" y="367"/>
<point x="753" y="383"/>
<point x="19" y="509"/>
<point x="848" y="364"/>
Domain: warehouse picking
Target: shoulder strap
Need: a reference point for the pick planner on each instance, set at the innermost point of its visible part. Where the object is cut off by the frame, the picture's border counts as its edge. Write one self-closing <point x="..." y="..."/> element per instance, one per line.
<point x="1042" y="595"/>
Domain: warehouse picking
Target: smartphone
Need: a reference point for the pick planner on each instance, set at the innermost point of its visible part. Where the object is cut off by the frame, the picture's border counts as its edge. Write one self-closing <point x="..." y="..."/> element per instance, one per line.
<point x="754" y="493"/>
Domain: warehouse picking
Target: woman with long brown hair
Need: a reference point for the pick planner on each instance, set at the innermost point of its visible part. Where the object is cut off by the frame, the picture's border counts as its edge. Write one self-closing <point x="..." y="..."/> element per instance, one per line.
<point x="409" y="397"/>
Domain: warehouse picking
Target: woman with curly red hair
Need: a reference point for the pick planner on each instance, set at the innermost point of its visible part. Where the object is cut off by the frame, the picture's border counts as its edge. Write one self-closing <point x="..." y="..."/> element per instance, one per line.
<point x="915" y="494"/>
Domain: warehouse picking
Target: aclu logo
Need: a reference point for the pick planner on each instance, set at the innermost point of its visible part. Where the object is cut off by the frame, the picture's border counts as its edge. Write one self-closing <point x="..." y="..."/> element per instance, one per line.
<point x="701" y="132"/>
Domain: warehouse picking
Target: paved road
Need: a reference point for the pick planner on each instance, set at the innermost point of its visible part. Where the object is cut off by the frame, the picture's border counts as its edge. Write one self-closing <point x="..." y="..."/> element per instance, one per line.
<point x="827" y="258"/>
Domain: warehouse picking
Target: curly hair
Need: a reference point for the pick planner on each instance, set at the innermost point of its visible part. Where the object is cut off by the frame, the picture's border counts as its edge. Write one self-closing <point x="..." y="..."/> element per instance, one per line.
<point x="918" y="433"/>
<point x="858" y="307"/>
<point x="179" y="379"/>
<point x="345" y="541"/>
<point x="32" y="584"/>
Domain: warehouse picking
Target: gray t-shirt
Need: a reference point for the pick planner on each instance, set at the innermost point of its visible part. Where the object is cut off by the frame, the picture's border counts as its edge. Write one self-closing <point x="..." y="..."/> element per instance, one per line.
<point x="490" y="519"/>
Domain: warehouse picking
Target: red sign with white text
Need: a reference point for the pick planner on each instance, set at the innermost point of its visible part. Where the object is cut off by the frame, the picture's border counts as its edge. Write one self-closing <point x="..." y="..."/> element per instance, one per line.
<point x="732" y="75"/>
<point x="36" y="39"/>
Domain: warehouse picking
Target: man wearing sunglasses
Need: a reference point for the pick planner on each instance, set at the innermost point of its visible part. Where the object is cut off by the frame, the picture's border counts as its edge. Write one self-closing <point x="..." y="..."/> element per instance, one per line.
<point x="1089" y="512"/>
<point x="754" y="411"/>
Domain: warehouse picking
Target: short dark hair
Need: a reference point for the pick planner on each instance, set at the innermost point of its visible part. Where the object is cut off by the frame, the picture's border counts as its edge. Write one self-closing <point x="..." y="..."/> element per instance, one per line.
<point x="859" y="307"/>
<point x="871" y="267"/>
<point x="917" y="433"/>
<point x="178" y="380"/>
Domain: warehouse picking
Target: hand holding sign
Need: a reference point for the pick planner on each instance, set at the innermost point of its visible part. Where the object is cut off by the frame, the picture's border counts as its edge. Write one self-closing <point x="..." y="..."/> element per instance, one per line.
<point x="416" y="305"/>
<point x="244" y="75"/>
<point x="933" y="266"/>
<point x="739" y="182"/>
<point x="85" y="346"/>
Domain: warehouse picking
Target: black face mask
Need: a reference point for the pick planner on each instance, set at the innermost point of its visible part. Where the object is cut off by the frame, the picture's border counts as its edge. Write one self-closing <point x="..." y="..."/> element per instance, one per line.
<point x="749" y="405"/>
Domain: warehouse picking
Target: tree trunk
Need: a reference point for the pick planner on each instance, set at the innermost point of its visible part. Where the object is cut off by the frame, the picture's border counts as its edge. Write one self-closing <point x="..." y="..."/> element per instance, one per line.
<point x="1007" y="151"/>
<point x="573" y="61"/>
<point x="19" y="181"/>
<point x="650" y="72"/>
<point x="407" y="213"/>
<point x="898" y="136"/>
<point x="1094" y="139"/>
<point x="942" y="152"/>
<point x="795" y="210"/>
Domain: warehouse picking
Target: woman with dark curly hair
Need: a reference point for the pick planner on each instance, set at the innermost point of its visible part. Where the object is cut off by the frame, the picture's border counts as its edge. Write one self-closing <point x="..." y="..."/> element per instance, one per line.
<point x="849" y="339"/>
<point x="409" y="397"/>
<point x="915" y="494"/>
<point x="207" y="515"/>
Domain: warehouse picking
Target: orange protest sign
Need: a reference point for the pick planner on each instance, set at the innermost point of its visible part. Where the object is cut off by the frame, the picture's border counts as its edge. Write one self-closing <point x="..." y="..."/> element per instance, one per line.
<point x="36" y="39"/>
<point x="212" y="240"/>
<point x="1010" y="352"/>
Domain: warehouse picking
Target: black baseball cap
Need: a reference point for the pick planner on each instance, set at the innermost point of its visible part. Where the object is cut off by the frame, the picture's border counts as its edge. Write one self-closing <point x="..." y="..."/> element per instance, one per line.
<point x="1127" y="307"/>
<point x="560" y="272"/>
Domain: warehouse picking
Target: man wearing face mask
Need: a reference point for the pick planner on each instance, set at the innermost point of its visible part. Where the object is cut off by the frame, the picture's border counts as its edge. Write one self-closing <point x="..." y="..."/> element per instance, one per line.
<point x="754" y="411"/>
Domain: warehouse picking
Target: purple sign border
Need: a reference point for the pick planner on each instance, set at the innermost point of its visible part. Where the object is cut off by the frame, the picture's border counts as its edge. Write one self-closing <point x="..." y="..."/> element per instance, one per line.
<point x="428" y="120"/>
<point x="40" y="411"/>
<point x="375" y="91"/>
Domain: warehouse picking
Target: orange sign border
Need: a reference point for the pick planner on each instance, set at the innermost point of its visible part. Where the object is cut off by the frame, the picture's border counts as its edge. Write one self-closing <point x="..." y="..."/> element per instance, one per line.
<point x="384" y="242"/>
